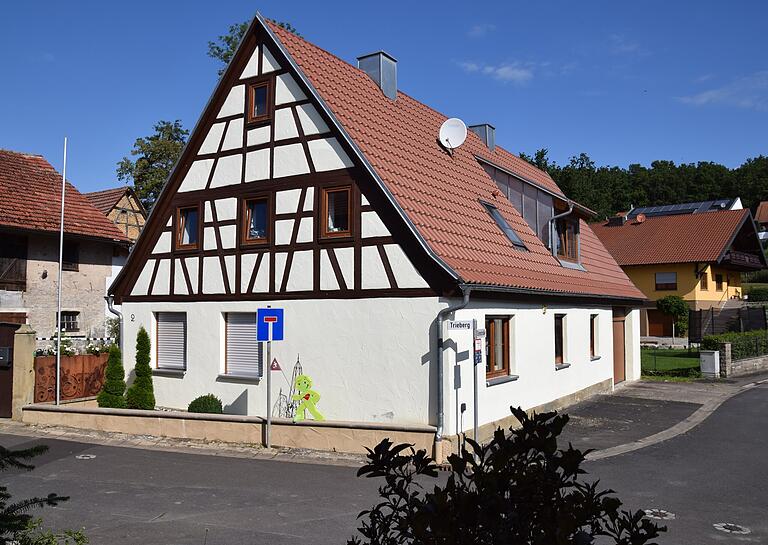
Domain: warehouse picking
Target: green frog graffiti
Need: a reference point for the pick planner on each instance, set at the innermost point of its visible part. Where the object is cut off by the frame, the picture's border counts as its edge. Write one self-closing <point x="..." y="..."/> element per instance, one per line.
<point x="307" y="399"/>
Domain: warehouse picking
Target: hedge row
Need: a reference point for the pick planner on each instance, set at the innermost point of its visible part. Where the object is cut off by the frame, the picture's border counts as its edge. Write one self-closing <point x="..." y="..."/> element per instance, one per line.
<point x="758" y="294"/>
<point x="743" y="345"/>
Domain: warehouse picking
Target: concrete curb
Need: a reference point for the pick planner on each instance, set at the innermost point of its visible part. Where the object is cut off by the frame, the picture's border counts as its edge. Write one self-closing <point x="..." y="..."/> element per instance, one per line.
<point x="699" y="416"/>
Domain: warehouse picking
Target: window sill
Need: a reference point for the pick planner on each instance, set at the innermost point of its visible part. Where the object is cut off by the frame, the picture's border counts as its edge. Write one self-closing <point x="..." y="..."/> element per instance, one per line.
<point x="561" y="366"/>
<point x="238" y="378"/>
<point x="595" y="358"/>
<point x="173" y="373"/>
<point x="501" y="380"/>
<point x="571" y="265"/>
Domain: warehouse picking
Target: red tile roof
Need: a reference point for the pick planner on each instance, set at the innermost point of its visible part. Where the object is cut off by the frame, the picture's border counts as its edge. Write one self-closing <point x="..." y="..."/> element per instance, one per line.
<point x="106" y="199"/>
<point x="30" y="199"/>
<point x="761" y="214"/>
<point x="687" y="238"/>
<point x="440" y="193"/>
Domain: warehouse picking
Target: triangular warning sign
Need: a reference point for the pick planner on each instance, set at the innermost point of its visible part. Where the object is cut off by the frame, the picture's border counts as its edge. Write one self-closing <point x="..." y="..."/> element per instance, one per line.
<point x="275" y="366"/>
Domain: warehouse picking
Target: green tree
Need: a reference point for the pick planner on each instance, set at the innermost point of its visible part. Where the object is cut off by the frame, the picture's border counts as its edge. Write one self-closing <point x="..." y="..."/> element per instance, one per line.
<point x="223" y="49"/>
<point x="15" y="519"/>
<point x="518" y="489"/>
<point x="141" y="394"/>
<point x="675" y="306"/>
<point x="155" y="155"/>
<point x="112" y="394"/>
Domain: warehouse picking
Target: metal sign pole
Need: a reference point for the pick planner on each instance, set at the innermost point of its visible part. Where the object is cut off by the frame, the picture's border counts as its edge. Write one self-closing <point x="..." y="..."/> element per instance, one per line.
<point x="474" y="375"/>
<point x="269" y="395"/>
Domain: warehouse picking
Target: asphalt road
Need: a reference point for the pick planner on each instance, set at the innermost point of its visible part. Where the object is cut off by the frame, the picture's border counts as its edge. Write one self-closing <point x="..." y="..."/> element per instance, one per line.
<point x="716" y="473"/>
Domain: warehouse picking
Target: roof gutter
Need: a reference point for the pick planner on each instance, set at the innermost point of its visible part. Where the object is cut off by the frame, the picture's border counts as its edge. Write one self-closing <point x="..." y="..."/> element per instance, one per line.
<point x="492" y="288"/>
<point x="357" y="151"/>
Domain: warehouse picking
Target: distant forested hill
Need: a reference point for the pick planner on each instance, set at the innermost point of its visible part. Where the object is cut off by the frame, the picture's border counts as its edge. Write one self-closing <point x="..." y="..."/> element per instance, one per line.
<point x="608" y="190"/>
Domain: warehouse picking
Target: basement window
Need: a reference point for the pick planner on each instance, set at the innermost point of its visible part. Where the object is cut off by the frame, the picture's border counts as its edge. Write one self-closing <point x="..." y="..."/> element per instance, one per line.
<point x="259" y="99"/>
<point x="504" y="226"/>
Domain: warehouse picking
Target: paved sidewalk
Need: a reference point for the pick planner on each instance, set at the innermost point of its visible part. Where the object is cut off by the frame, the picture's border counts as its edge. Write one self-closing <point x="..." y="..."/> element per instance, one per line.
<point x="647" y="412"/>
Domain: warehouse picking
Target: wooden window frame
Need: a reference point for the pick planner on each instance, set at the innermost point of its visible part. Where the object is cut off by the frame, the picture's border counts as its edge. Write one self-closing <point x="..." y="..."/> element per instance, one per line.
<point x="250" y="93"/>
<point x="593" y="322"/>
<point x="704" y="281"/>
<point x="13" y="262"/>
<point x="719" y="282"/>
<point x="70" y="265"/>
<point x="179" y="228"/>
<point x="665" y="286"/>
<point x="324" y="192"/>
<point x="490" y="326"/>
<point x="560" y="358"/>
<point x="245" y="217"/>
<point x="568" y="249"/>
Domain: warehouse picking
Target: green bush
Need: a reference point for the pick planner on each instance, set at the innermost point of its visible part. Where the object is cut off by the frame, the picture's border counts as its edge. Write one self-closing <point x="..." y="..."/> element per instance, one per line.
<point x="141" y="394"/>
<point x="758" y="293"/>
<point x="208" y="403"/>
<point x="743" y="345"/>
<point x="113" y="391"/>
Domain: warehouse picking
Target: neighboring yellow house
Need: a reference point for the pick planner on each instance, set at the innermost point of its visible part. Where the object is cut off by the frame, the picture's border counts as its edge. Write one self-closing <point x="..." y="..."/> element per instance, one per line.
<point x="697" y="255"/>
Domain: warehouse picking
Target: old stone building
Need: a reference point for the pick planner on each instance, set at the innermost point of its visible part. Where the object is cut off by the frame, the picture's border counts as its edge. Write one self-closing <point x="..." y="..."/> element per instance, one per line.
<point x="30" y="193"/>
<point x="123" y="207"/>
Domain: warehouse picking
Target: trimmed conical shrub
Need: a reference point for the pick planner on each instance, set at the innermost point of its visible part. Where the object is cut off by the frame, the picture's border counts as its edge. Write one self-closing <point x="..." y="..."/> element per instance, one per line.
<point x="113" y="391"/>
<point x="141" y="394"/>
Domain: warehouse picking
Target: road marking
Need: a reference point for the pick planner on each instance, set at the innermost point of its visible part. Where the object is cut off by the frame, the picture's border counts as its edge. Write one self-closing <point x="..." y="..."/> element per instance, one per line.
<point x="659" y="514"/>
<point x="730" y="528"/>
<point x="85" y="456"/>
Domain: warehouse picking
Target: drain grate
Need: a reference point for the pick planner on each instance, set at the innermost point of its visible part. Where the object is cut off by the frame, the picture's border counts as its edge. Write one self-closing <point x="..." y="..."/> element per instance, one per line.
<point x="730" y="528"/>
<point x="659" y="514"/>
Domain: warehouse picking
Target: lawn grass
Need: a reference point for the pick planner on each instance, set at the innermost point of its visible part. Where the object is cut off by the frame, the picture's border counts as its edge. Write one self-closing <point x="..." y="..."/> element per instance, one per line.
<point x="664" y="359"/>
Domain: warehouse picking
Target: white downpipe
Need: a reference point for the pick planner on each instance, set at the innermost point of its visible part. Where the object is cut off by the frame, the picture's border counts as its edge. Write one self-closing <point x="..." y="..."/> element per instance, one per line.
<point x="58" y="287"/>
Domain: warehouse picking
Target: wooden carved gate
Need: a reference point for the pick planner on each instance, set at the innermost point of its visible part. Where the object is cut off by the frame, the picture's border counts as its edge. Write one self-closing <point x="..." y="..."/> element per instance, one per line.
<point x="81" y="376"/>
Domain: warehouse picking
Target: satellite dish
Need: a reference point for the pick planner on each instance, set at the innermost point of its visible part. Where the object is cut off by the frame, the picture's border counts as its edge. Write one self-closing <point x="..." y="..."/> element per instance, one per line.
<point x="453" y="132"/>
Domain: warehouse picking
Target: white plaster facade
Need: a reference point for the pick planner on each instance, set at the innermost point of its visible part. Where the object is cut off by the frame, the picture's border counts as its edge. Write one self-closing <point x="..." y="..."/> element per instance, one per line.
<point x="374" y="360"/>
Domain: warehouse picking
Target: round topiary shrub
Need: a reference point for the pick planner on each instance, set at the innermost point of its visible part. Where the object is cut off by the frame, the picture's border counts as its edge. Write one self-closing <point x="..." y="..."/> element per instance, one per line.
<point x="208" y="403"/>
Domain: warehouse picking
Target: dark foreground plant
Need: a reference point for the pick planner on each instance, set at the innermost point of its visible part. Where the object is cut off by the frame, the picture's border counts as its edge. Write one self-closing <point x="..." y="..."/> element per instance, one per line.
<point x="519" y="489"/>
<point x="15" y="520"/>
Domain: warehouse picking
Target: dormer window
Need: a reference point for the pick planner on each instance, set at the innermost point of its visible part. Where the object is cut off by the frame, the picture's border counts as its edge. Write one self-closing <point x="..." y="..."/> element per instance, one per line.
<point x="567" y="242"/>
<point x="259" y="102"/>
<point x="504" y="226"/>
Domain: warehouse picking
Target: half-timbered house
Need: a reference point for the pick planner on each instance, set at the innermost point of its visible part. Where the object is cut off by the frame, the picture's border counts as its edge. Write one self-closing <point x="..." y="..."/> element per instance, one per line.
<point x="318" y="187"/>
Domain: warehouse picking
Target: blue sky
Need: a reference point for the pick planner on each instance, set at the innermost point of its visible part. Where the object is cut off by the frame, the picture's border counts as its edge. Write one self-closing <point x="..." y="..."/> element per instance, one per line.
<point x="626" y="82"/>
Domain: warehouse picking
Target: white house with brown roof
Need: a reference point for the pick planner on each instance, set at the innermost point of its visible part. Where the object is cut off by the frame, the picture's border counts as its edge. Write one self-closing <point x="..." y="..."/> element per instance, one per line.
<point x="30" y="201"/>
<point x="319" y="188"/>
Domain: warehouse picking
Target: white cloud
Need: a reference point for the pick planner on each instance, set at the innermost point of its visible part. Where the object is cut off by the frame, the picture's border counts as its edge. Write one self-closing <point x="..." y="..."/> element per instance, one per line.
<point x="506" y="72"/>
<point x="480" y="30"/>
<point x="748" y="92"/>
<point x="620" y="45"/>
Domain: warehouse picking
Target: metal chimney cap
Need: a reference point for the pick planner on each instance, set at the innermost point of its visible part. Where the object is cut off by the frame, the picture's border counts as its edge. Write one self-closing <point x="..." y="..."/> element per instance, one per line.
<point x="376" y="53"/>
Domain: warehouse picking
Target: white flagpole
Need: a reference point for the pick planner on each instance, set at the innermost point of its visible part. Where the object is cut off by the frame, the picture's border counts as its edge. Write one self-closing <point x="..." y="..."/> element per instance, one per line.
<point x="61" y="260"/>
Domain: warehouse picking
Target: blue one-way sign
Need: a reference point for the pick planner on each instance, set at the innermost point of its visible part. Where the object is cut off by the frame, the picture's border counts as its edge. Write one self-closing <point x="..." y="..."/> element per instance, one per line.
<point x="269" y="324"/>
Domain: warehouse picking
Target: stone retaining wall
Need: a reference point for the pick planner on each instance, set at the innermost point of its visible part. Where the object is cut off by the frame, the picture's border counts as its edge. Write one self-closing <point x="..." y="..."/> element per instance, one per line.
<point x="736" y="368"/>
<point x="348" y="437"/>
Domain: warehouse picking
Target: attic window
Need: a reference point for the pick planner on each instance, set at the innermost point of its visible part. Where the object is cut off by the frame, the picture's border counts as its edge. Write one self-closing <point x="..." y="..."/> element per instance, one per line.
<point x="337" y="212"/>
<point x="187" y="228"/>
<point x="259" y="99"/>
<point x="504" y="226"/>
<point x="567" y="242"/>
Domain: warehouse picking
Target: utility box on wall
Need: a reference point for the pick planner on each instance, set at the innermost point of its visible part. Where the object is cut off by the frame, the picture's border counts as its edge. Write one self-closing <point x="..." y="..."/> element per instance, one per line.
<point x="709" y="361"/>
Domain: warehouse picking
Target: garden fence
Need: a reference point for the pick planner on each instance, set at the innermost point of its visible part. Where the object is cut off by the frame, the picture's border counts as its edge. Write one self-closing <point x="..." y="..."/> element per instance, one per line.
<point x="714" y="322"/>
